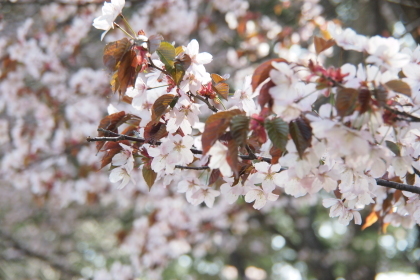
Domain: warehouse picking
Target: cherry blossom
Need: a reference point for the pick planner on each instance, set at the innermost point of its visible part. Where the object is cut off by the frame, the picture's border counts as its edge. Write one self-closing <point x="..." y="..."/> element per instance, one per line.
<point x="344" y="214"/>
<point x="260" y="196"/>
<point x="110" y="11"/>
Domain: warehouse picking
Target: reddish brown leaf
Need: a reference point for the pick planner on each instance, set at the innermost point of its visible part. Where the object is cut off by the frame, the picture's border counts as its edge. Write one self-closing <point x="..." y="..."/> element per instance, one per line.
<point x="216" y="126"/>
<point x="410" y="178"/>
<point x="214" y="176"/>
<point x="321" y="44"/>
<point x="222" y="89"/>
<point x="265" y="97"/>
<point x="370" y="220"/>
<point x="217" y="78"/>
<point x="364" y="100"/>
<point x="301" y="133"/>
<point x="111" y="123"/>
<point x="275" y="154"/>
<point x="160" y="106"/>
<point x="154" y="131"/>
<point x="263" y="72"/>
<point x="114" y="52"/>
<point x="127" y="71"/>
<point x="232" y="157"/>
<point x="346" y="101"/>
<point x="111" y="149"/>
<point x="399" y="86"/>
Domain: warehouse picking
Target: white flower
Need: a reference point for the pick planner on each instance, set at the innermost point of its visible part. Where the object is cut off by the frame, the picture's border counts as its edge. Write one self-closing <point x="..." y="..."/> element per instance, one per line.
<point x="385" y="52"/>
<point x="231" y="193"/>
<point x="118" y="174"/>
<point x="344" y="214"/>
<point x="184" y="115"/>
<point x="349" y="39"/>
<point x="267" y="174"/>
<point x="197" y="60"/>
<point x="244" y="97"/>
<point x="189" y="186"/>
<point x="205" y="194"/>
<point x="109" y="12"/>
<point x="138" y="93"/>
<point x="260" y="196"/>
<point x="218" y="159"/>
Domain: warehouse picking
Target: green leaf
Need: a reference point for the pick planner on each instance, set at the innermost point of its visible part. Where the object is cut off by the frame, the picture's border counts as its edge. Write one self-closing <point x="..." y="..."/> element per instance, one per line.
<point x="346" y="101"/>
<point x="166" y="53"/>
<point x="301" y="133"/>
<point x="278" y="132"/>
<point x="216" y="126"/>
<point x="399" y="86"/>
<point x="239" y="126"/>
<point x="149" y="176"/>
<point x="393" y="147"/>
<point x="160" y="106"/>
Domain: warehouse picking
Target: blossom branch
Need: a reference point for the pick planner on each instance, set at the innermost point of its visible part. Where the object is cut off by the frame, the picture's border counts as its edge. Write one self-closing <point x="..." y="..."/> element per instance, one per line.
<point x="405" y="114"/>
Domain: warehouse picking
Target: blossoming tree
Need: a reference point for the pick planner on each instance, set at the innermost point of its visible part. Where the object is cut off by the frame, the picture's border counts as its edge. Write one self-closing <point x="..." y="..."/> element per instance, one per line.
<point x="193" y="164"/>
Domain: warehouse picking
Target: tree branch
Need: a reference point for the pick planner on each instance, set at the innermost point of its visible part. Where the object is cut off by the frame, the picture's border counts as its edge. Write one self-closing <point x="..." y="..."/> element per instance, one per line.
<point x="405" y="114"/>
<point x="398" y="186"/>
<point x="119" y="137"/>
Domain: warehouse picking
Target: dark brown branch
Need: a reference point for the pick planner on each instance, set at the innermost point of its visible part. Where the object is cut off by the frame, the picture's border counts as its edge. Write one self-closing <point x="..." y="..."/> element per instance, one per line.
<point x="405" y="114"/>
<point x="398" y="186"/>
<point x="192" y="167"/>
<point x="119" y="137"/>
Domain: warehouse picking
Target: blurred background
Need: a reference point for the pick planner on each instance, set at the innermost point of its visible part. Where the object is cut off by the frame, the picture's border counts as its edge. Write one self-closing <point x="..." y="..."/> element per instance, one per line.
<point x="60" y="218"/>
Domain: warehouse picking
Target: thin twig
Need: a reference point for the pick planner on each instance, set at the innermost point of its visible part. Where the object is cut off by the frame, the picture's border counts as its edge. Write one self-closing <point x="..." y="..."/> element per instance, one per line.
<point x="211" y="107"/>
<point x="156" y="67"/>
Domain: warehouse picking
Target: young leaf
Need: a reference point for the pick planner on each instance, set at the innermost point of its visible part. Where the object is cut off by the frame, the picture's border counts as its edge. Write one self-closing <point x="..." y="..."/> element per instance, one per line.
<point x="154" y="131"/>
<point x="321" y="44"/>
<point x="370" y="220"/>
<point x="265" y="97"/>
<point x="278" y="132"/>
<point x="114" y="52"/>
<point x="410" y="178"/>
<point x="149" y="176"/>
<point x="232" y="157"/>
<point x="275" y="154"/>
<point x="160" y="106"/>
<point x="263" y="72"/>
<point x="399" y="86"/>
<point x="239" y="126"/>
<point x="301" y="133"/>
<point x="346" y="101"/>
<point x="166" y="54"/>
<point x="127" y="71"/>
<point x="364" y="100"/>
<point x="214" y="176"/>
<point x="216" y="126"/>
<point x="222" y="89"/>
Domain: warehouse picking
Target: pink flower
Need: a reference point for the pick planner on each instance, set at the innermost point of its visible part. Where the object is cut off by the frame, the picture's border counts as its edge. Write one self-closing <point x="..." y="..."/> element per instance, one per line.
<point x="344" y="214"/>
